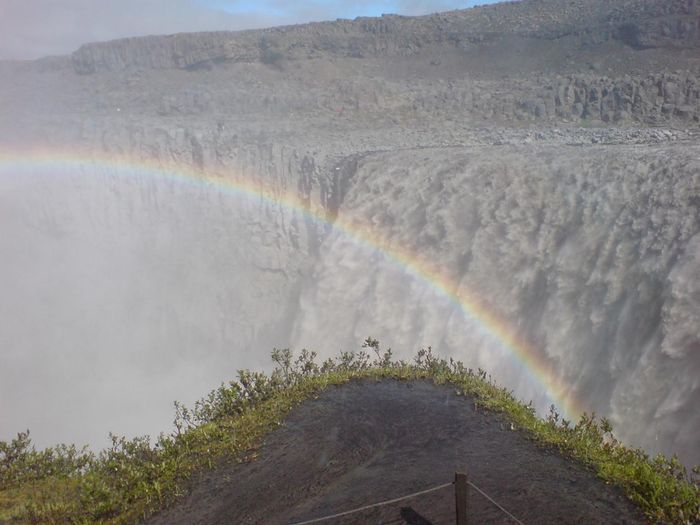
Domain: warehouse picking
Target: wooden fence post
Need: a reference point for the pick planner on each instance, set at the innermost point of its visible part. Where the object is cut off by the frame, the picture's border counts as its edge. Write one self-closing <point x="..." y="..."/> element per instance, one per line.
<point x="461" y="489"/>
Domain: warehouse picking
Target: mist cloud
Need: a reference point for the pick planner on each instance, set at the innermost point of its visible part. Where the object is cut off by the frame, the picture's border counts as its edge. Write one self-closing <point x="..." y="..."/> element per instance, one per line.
<point x="36" y="28"/>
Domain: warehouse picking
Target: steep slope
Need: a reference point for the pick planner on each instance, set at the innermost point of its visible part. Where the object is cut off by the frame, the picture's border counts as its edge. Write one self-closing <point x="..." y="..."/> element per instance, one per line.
<point x="369" y="441"/>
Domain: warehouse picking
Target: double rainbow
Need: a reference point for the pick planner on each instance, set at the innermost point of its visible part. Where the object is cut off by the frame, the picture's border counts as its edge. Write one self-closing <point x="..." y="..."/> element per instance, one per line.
<point x="471" y="306"/>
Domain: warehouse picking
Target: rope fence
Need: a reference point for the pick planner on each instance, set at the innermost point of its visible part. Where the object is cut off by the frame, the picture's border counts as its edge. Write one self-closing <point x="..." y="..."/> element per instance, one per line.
<point x="460" y="498"/>
<point x="516" y="520"/>
<point x="374" y="505"/>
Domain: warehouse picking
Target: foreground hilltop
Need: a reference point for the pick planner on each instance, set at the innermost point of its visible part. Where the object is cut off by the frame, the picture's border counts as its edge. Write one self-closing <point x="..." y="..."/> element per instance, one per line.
<point x="312" y="441"/>
<point x="370" y="441"/>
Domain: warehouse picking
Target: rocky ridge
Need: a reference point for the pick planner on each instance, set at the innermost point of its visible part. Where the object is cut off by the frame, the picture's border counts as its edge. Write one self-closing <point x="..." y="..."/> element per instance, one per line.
<point x="638" y="23"/>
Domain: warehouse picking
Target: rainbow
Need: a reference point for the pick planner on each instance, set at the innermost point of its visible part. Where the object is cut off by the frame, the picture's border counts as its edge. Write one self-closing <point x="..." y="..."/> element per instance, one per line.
<point x="472" y="307"/>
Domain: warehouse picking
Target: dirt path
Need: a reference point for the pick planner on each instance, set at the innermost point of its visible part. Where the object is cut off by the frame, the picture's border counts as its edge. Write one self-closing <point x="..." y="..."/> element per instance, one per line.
<point x="370" y="441"/>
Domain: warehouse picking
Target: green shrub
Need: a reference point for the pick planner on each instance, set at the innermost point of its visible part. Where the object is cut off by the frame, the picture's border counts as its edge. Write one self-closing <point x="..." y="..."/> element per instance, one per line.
<point x="134" y="478"/>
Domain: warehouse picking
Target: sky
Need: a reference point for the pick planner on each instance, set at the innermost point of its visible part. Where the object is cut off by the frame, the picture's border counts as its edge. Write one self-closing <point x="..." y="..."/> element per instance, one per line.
<point x="31" y="29"/>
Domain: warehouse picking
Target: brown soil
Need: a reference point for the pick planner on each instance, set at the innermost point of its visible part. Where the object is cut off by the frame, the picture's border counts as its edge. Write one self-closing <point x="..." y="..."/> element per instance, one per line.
<point x="370" y="441"/>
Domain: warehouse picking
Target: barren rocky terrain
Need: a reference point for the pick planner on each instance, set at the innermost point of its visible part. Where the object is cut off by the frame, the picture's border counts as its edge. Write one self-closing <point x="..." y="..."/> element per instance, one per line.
<point x="544" y="153"/>
<point x="366" y="442"/>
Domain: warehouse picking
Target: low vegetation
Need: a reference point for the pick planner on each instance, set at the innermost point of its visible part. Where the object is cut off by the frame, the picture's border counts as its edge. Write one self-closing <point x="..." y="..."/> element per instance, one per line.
<point x="134" y="478"/>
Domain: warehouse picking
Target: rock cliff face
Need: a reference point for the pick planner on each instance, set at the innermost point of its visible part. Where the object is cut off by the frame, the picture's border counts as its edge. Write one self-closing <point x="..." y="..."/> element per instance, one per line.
<point x="637" y="23"/>
<point x="543" y="153"/>
<point x="590" y="252"/>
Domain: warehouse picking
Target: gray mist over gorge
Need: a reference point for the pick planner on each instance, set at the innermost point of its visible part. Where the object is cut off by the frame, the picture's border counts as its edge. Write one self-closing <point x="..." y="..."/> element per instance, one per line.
<point x="545" y="155"/>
